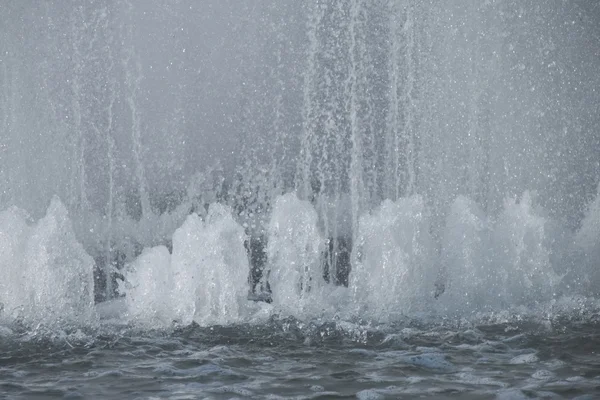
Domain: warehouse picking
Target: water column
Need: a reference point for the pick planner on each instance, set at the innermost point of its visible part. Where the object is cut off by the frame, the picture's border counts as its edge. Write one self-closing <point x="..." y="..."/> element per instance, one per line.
<point x="408" y="100"/>
<point x="95" y="123"/>
<point x="4" y="127"/>
<point x="357" y="195"/>
<point x="78" y="39"/>
<point x="280" y="125"/>
<point x="392" y="145"/>
<point x="10" y="101"/>
<point x="354" y="153"/>
<point x="330" y="166"/>
<point x="133" y="77"/>
<point x="110" y="157"/>
<point x="401" y="135"/>
<point x="304" y="175"/>
<point x="476" y="148"/>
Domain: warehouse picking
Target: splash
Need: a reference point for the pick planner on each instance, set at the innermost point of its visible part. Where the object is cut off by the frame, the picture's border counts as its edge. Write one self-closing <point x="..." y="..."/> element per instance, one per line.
<point x="294" y="271"/>
<point x="205" y="280"/>
<point x="394" y="264"/>
<point x="587" y="245"/>
<point x="484" y="265"/>
<point x="465" y="256"/>
<point x="437" y="158"/>
<point x="47" y="277"/>
<point x="495" y="264"/>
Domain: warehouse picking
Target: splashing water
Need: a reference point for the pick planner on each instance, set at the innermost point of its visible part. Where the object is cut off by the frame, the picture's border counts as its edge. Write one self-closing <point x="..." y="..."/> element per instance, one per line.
<point x="203" y="281"/>
<point x="394" y="267"/>
<point x="350" y="159"/>
<point x="47" y="275"/>
<point x="294" y="254"/>
<point x="288" y="199"/>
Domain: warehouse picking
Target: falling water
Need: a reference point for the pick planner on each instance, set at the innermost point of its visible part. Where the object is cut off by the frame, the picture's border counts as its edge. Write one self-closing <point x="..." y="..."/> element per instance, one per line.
<point x="336" y="198"/>
<point x="368" y="156"/>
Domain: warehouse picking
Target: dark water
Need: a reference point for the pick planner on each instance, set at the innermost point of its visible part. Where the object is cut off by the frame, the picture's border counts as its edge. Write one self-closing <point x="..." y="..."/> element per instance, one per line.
<point x="286" y="358"/>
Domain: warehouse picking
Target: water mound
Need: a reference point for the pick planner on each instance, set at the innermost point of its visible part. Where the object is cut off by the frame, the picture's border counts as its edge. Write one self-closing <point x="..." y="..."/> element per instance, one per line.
<point x="394" y="269"/>
<point x="487" y="268"/>
<point x="148" y="288"/>
<point x="205" y="280"/>
<point x="520" y="252"/>
<point x="496" y="264"/>
<point x="294" y="250"/>
<point x="464" y="256"/>
<point x="587" y="244"/>
<point x="343" y="160"/>
<point x="47" y="277"/>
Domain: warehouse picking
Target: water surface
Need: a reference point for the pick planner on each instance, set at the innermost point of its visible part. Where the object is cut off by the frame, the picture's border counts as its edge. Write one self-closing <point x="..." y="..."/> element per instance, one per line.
<point x="287" y="358"/>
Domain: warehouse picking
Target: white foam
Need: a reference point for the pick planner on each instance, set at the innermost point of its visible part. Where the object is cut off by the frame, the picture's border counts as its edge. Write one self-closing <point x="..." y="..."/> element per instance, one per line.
<point x="587" y="242"/>
<point x="393" y="263"/>
<point x="497" y="264"/>
<point x="204" y="281"/>
<point x="187" y="241"/>
<point x="494" y="265"/>
<point x="464" y="247"/>
<point x="520" y="270"/>
<point x="524" y="359"/>
<point x="150" y="284"/>
<point x="543" y="375"/>
<point x="213" y="259"/>
<point x="47" y="275"/>
<point x="511" y="394"/>
<point x="294" y="253"/>
<point x="369" y="394"/>
<point x="472" y="379"/>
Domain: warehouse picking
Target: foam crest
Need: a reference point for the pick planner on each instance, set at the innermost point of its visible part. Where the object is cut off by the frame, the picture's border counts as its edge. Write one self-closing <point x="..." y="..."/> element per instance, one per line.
<point x="393" y="268"/>
<point x="464" y="261"/>
<point x="294" y="254"/>
<point x="47" y="275"/>
<point x="209" y="261"/>
<point x="205" y="280"/>
<point x="149" y="288"/>
<point x="587" y="239"/>
<point x="520" y="267"/>
<point x="492" y="265"/>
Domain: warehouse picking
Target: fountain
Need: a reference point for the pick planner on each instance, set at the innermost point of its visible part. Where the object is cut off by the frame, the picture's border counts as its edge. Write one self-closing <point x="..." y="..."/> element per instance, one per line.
<point x="364" y="158"/>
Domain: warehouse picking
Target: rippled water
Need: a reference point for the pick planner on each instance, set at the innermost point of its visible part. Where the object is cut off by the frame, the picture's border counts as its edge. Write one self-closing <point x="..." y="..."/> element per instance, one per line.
<point x="287" y="358"/>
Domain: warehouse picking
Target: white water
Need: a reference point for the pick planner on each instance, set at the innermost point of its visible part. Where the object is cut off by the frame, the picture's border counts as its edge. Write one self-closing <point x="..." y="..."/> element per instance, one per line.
<point x="205" y="280"/>
<point x="394" y="259"/>
<point x="46" y="276"/>
<point x="294" y="254"/>
<point x="464" y="255"/>
<point x="485" y="265"/>
<point x="588" y="237"/>
<point x="494" y="264"/>
<point x="451" y="148"/>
